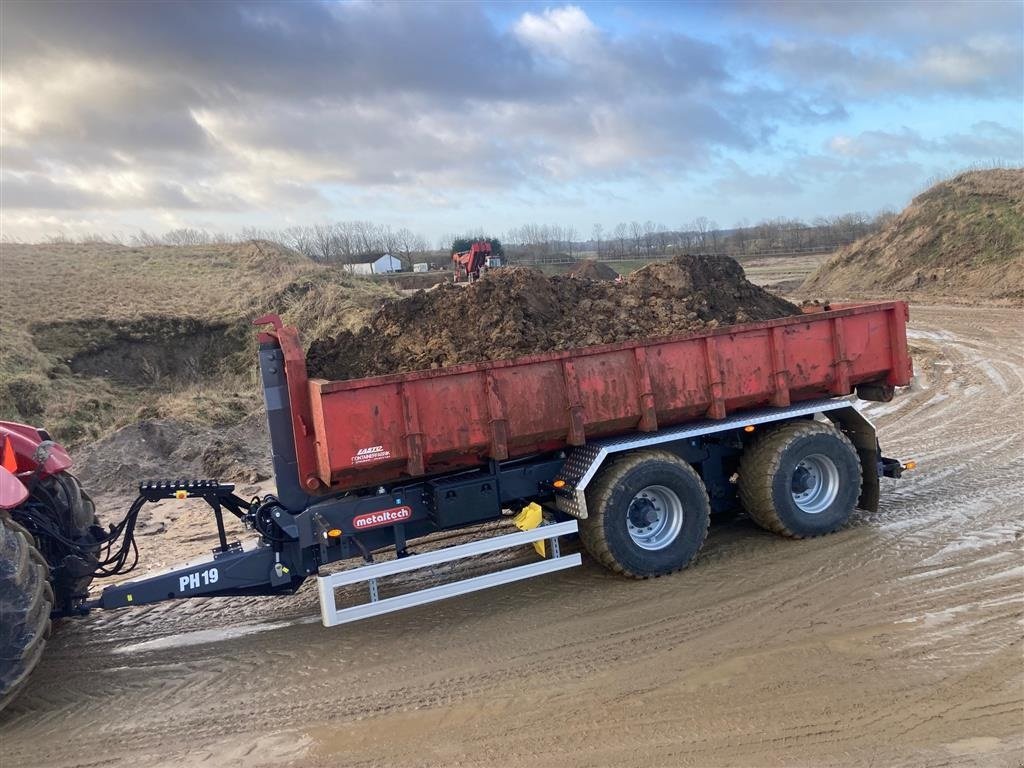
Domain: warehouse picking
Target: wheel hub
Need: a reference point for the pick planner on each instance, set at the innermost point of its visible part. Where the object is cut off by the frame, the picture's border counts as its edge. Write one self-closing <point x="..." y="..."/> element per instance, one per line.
<point x="643" y="513"/>
<point x="655" y="517"/>
<point x="815" y="483"/>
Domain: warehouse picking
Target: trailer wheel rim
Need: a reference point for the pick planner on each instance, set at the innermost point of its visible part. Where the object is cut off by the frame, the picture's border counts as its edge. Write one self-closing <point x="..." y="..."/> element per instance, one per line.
<point x="815" y="483"/>
<point x="655" y="517"/>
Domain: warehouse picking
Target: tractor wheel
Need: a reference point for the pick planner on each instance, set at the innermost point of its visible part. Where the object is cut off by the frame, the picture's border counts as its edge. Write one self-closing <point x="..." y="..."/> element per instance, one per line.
<point x="72" y="512"/>
<point x="800" y="479"/>
<point x="648" y="515"/>
<point x="26" y="599"/>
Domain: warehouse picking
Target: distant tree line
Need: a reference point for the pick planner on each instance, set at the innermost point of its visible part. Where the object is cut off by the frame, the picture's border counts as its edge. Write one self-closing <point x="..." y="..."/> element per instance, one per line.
<point x="636" y="240"/>
<point x="345" y="242"/>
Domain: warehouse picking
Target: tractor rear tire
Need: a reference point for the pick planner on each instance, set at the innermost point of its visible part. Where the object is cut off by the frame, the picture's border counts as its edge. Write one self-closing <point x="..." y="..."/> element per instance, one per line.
<point x="72" y="512"/>
<point x="800" y="479"/>
<point x="26" y="599"/>
<point x="648" y="515"/>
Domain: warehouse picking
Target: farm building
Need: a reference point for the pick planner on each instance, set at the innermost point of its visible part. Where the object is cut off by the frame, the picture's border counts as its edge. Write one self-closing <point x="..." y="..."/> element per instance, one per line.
<point x="374" y="264"/>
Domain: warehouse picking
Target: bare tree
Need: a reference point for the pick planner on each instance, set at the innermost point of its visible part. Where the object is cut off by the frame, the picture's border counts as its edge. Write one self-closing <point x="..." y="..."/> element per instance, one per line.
<point x="621" y="234"/>
<point x="701" y="225"/>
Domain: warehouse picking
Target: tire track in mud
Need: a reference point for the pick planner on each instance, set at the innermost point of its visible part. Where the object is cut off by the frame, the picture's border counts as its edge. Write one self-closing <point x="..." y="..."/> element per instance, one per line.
<point x="896" y="639"/>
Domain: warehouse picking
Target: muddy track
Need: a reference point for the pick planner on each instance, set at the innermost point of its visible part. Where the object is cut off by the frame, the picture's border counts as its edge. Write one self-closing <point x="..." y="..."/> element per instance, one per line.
<point x="893" y="642"/>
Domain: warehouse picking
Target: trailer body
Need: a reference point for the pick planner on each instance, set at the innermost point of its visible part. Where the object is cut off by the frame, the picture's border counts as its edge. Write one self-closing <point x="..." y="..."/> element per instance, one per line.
<point x="353" y="434"/>
<point x="373" y="464"/>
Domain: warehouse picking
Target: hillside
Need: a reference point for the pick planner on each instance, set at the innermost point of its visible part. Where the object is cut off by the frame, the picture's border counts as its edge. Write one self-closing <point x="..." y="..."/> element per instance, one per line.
<point x="962" y="239"/>
<point x="98" y="336"/>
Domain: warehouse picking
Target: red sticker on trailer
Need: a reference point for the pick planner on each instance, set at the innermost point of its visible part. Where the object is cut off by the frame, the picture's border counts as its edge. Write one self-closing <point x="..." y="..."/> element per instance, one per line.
<point x="383" y="517"/>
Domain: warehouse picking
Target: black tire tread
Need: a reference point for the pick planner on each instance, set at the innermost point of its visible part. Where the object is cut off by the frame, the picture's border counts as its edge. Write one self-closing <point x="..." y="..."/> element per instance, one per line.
<point x="592" y="529"/>
<point x="760" y="462"/>
<point x="26" y="599"/>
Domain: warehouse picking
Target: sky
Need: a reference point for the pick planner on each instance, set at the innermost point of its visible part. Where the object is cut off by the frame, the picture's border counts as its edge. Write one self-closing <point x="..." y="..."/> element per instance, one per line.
<point x="455" y="117"/>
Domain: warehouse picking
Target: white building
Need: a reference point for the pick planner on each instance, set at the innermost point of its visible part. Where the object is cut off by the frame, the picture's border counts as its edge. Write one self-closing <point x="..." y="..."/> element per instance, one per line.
<point x="374" y="265"/>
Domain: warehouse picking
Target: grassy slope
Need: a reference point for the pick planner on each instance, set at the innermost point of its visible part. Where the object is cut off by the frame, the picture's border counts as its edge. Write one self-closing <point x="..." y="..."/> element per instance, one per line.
<point x="963" y="238"/>
<point x="96" y="336"/>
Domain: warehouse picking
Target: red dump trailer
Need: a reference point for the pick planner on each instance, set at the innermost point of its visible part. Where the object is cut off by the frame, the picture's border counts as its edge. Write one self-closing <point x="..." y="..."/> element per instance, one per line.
<point x="634" y="446"/>
<point x="350" y="434"/>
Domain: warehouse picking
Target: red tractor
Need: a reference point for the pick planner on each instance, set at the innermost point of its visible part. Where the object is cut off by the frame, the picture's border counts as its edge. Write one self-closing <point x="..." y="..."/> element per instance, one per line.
<point x="50" y="542"/>
<point x="469" y="264"/>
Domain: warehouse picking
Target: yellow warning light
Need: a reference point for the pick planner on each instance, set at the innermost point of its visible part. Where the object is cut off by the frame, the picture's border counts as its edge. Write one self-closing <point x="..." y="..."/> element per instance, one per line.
<point x="559" y="483"/>
<point x="129" y="597"/>
<point x="910" y="465"/>
<point x="748" y="428"/>
<point x="334" y="533"/>
<point x="181" y="494"/>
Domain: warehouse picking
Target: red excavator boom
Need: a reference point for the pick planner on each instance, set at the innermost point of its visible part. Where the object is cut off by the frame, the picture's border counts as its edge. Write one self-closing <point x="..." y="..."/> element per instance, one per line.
<point x="469" y="263"/>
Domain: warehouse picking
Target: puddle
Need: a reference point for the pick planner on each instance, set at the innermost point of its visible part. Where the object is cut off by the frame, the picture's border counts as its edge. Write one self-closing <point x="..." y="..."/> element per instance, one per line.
<point x="207" y="636"/>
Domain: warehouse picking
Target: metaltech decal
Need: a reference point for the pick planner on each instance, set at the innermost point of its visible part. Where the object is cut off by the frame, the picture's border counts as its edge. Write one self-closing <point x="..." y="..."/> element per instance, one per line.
<point x="383" y="517"/>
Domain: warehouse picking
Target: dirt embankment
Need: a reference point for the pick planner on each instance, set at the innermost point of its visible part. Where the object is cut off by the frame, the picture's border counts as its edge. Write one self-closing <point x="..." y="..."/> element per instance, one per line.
<point x="519" y="311"/>
<point x="157" y="449"/>
<point x="592" y="269"/>
<point x="107" y="335"/>
<point x="962" y="239"/>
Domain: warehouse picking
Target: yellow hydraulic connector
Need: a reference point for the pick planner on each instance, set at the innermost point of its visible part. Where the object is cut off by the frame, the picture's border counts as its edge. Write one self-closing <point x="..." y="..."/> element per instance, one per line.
<point x="531" y="516"/>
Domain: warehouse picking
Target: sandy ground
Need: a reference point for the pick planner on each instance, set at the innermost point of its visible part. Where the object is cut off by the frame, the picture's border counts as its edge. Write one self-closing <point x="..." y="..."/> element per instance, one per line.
<point x="894" y="642"/>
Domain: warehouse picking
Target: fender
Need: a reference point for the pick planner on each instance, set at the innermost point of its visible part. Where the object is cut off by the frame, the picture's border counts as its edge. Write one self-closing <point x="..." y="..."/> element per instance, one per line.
<point x="12" y="491"/>
<point x="33" y="449"/>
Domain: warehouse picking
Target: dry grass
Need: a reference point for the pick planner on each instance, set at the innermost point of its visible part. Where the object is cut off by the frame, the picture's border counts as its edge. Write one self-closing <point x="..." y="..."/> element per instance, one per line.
<point x="98" y="336"/>
<point x="961" y="239"/>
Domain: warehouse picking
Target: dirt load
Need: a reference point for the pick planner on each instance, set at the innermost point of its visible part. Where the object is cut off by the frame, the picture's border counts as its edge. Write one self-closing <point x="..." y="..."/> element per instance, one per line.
<point x="963" y="238"/>
<point x="593" y="270"/>
<point x="519" y="311"/>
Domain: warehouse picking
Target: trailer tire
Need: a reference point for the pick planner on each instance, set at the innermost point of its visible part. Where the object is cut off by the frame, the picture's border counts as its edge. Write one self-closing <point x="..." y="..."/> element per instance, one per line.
<point x="26" y="599"/>
<point x="648" y="515"/>
<point x="800" y="479"/>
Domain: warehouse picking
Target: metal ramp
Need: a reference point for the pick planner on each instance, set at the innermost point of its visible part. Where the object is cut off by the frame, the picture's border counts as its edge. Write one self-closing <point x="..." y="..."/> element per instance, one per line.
<point x="327" y="585"/>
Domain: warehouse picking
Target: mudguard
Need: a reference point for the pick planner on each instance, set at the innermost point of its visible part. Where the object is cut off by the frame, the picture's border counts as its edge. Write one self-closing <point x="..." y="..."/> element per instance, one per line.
<point x="32" y="448"/>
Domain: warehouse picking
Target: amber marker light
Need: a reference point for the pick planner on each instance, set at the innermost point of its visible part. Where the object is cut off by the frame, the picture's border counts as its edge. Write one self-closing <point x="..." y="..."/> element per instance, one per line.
<point x="748" y="428"/>
<point x="334" y="533"/>
<point x="559" y="484"/>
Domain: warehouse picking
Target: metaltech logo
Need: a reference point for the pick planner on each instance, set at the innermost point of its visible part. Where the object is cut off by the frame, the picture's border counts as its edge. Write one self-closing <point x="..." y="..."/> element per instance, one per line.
<point x="383" y="517"/>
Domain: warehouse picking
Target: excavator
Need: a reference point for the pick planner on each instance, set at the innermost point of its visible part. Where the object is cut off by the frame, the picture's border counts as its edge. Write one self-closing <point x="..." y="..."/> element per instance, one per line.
<point x="469" y="264"/>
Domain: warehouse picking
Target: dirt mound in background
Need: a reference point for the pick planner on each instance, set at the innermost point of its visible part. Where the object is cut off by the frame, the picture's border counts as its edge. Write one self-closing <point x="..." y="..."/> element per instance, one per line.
<point x="518" y="311"/>
<point x="963" y="238"/>
<point x="157" y="449"/>
<point x="593" y="270"/>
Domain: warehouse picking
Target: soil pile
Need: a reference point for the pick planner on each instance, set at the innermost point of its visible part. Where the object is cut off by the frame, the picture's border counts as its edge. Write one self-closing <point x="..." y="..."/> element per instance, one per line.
<point x="963" y="238"/>
<point x="159" y="449"/>
<point x="593" y="270"/>
<point x="518" y="311"/>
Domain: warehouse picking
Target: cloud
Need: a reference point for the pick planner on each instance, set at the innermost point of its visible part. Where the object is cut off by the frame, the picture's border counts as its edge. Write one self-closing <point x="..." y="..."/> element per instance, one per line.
<point x="298" y="110"/>
<point x="562" y="31"/>
<point x="983" y="67"/>
<point x="987" y="140"/>
<point x="900" y="23"/>
<point x="735" y="181"/>
<point x="395" y="95"/>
